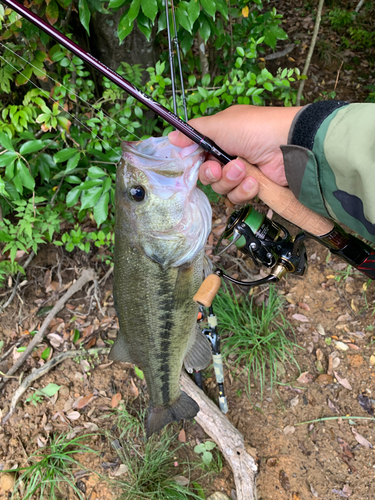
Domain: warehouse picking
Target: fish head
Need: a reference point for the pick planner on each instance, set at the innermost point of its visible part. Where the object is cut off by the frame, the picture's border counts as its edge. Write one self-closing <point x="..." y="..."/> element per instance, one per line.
<point x="158" y="203"/>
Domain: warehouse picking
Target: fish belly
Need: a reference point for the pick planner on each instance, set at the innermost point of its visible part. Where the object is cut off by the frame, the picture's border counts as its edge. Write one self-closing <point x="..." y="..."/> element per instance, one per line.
<point x="157" y="318"/>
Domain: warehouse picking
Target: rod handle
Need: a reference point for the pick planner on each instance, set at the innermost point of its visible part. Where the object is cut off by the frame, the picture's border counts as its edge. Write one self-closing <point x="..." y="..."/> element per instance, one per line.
<point x="207" y="291"/>
<point x="283" y="202"/>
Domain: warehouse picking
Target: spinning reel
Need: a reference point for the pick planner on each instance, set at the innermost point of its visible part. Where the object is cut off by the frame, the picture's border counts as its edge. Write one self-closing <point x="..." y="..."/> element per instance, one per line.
<point x="266" y="242"/>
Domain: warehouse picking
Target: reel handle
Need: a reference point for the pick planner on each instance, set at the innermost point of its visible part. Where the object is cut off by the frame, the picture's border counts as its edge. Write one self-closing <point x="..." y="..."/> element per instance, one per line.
<point x="283" y="202"/>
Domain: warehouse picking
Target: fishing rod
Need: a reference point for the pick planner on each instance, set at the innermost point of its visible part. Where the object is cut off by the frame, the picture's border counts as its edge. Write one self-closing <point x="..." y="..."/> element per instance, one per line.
<point x="253" y="234"/>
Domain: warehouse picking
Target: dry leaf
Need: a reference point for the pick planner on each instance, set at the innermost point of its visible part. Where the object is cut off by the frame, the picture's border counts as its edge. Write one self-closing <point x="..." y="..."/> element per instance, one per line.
<point x="284" y="480"/>
<point x="74" y="415"/>
<point x="182" y="436"/>
<point x="345" y="492"/>
<point x="88" y="331"/>
<point x="123" y="469"/>
<point x="319" y="355"/>
<point x="134" y="389"/>
<point x="289" y="429"/>
<point x="183" y="481"/>
<point x="344" y="317"/>
<point x="305" y="378"/>
<point x="345" y="448"/>
<point x="320" y="329"/>
<point x="90" y="343"/>
<point x="313" y="491"/>
<point x="83" y="401"/>
<point x="296" y="496"/>
<point x="333" y="407"/>
<point x="343" y="381"/>
<point x="304" y="306"/>
<point x="116" y="400"/>
<point x="300" y="317"/>
<point x="90" y="426"/>
<point x="361" y="440"/>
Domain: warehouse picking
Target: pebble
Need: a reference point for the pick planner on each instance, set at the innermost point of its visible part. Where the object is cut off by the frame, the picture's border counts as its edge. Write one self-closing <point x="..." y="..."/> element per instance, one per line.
<point x="64" y="391"/>
<point x="218" y="495"/>
<point x="372" y="360"/>
<point x="324" y="379"/>
<point x="7" y="480"/>
<point x="289" y="429"/>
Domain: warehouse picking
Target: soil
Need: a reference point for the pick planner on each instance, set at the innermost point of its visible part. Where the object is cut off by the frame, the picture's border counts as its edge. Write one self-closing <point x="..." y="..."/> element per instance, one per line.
<point x="309" y="440"/>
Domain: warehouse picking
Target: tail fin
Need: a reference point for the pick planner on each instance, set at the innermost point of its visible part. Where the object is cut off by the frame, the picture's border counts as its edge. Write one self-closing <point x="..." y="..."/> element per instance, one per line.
<point x="183" y="407"/>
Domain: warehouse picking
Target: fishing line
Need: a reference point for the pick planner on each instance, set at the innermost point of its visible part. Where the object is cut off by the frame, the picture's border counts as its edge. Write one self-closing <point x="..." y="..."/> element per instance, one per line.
<point x="69" y="92"/>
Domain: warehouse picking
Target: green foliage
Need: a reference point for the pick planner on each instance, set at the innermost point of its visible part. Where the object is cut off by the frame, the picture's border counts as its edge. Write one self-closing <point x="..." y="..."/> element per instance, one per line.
<point x="204" y="449"/>
<point x="51" y="470"/>
<point x="256" y="334"/>
<point x="355" y="28"/>
<point x="151" y="464"/>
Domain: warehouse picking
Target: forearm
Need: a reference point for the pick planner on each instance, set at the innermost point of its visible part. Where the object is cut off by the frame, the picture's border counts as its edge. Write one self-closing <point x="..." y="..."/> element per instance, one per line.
<point x="330" y="162"/>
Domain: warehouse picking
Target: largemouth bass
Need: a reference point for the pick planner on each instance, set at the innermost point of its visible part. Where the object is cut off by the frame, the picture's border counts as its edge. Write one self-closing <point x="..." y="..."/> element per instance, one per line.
<point x="162" y="224"/>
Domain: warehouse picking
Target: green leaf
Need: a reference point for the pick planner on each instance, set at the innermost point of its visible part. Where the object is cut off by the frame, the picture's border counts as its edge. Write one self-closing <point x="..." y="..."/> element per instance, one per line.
<point x="150" y="8"/>
<point x="124" y="27"/>
<point x="268" y="86"/>
<point x="101" y="209"/>
<point x="44" y="165"/>
<point x="192" y="79"/>
<point x="52" y="12"/>
<point x="209" y="445"/>
<point x="240" y="51"/>
<point x="182" y="17"/>
<point x="50" y="390"/>
<point x="193" y="10"/>
<point x="72" y="162"/>
<point x="84" y="15"/>
<point x="205" y="29"/>
<point x="200" y="448"/>
<point x="72" y="197"/>
<point x="133" y="10"/>
<point x="90" y="198"/>
<point x="139" y="373"/>
<point x="116" y="4"/>
<point x="209" y="6"/>
<point x="207" y="457"/>
<point x="64" y="154"/>
<point x="7" y="158"/>
<point x="6" y="142"/>
<point x="25" y="176"/>
<point x="96" y="172"/>
<point x="31" y="147"/>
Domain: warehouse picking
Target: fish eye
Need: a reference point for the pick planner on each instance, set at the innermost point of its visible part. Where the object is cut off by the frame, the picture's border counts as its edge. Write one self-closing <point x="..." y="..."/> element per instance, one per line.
<point x="137" y="193"/>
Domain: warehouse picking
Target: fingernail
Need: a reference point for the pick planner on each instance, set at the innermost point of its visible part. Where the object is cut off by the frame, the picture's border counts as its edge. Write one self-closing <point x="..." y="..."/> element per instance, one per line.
<point x="236" y="171"/>
<point x="248" y="185"/>
<point x="209" y="174"/>
<point x="173" y="135"/>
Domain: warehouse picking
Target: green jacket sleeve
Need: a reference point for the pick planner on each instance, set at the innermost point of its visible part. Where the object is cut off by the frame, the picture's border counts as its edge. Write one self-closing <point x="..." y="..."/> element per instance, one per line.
<point x="330" y="162"/>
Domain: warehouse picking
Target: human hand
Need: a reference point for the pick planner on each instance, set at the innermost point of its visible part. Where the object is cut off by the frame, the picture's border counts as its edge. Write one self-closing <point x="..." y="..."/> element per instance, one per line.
<point x="252" y="132"/>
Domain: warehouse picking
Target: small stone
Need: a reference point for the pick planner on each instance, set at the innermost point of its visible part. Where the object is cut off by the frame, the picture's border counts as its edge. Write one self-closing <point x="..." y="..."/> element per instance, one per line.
<point x="218" y="495"/>
<point x="341" y="345"/>
<point x="64" y="391"/>
<point x="324" y="379"/>
<point x="372" y="360"/>
<point x="7" y="480"/>
<point x="289" y="429"/>
<point x="272" y="462"/>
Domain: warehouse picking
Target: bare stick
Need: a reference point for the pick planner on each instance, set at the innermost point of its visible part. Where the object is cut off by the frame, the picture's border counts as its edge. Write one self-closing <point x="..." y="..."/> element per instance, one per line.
<point x="311" y="50"/>
<point x="360" y="3"/>
<point x="29" y="259"/>
<point x="87" y="275"/>
<point x="45" y="369"/>
<point x="230" y="441"/>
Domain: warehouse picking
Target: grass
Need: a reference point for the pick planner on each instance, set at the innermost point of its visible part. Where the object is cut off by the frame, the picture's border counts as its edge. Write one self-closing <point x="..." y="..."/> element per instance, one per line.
<point x="151" y="465"/>
<point x="256" y="334"/>
<point x="51" y="470"/>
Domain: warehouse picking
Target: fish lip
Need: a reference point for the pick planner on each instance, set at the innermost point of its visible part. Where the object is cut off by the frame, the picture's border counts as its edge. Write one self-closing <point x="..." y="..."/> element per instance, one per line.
<point x="129" y="149"/>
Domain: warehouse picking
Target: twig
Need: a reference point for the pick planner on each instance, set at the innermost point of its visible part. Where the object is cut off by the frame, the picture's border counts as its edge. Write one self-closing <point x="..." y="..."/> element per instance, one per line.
<point x="30" y="258"/>
<point x="102" y="280"/>
<point x="6" y="354"/>
<point x="334" y="418"/>
<point x="280" y="53"/>
<point x="230" y="441"/>
<point x="311" y="50"/>
<point x="45" y="369"/>
<point x="338" y="74"/>
<point x="87" y="275"/>
<point x="360" y="3"/>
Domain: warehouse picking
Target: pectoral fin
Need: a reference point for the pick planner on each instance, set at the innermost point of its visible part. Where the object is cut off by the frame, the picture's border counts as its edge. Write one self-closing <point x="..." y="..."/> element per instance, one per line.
<point x="119" y="351"/>
<point x="199" y="356"/>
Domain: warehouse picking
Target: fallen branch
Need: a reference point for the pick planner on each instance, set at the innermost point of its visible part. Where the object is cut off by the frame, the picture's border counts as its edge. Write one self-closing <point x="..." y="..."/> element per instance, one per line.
<point x="29" y="259"/>
<point x="227" y="437"/>
<point x="311" y="50"/>
<point x="45" y="369"/>
<point x="280" y="53"/>
<point x="87" y="275"/>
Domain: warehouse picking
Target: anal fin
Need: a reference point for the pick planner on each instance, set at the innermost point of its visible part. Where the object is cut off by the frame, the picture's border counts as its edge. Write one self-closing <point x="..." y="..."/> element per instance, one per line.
<point x="199" y="356"/>
<point x="119" y="351"/>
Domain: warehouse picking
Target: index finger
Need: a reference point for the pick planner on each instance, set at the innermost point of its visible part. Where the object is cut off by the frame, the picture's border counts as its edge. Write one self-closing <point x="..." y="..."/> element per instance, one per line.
<point x="178" y="139"/>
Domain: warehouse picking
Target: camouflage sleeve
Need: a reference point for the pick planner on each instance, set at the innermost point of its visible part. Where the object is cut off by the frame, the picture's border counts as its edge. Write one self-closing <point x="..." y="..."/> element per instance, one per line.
<point x="330" y="162"/>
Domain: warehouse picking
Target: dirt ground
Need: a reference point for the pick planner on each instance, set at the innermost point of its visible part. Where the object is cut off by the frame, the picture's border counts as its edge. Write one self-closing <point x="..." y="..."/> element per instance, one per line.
<point x="309" y="439"/>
